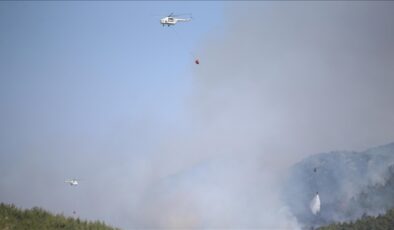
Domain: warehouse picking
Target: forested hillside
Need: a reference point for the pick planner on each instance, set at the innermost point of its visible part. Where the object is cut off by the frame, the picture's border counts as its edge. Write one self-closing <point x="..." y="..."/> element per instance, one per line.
<point x="350" y="185"/>
<point x="12" y="217"/>
<point x="381" y="222"/>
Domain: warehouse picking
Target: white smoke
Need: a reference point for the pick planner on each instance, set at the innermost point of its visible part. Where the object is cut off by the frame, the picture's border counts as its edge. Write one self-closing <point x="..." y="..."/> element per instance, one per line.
<point x="281" y="81"/>
<point x="274" y="87"/>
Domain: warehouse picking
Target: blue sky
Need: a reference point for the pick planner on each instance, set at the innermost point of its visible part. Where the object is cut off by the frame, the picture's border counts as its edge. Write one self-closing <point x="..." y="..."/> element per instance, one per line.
<point x="75" y="68"/>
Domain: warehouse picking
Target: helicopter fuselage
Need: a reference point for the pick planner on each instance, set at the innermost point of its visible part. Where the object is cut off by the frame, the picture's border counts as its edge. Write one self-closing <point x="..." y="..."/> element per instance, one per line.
<point x="171" y="21"/>
<point x="72" y="182"/>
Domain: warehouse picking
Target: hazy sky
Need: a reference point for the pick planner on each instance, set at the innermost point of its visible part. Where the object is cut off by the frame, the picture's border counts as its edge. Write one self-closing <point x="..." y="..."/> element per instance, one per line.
<point x="101" y="91"/>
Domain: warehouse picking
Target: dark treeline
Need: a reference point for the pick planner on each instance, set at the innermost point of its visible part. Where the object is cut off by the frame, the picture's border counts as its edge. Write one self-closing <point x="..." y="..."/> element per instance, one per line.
<point x="12" y="217"/>
<point x="381" y="222"/>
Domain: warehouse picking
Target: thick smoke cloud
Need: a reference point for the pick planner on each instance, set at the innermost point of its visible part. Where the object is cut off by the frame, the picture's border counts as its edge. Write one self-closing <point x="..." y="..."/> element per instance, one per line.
<point x="314" y="71"/>
<point x="282" y="81"/>
<point x="279" y="82"/>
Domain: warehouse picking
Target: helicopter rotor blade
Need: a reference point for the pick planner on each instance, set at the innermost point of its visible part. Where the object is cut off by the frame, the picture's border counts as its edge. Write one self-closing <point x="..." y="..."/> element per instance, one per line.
<point x="188" y="14"/>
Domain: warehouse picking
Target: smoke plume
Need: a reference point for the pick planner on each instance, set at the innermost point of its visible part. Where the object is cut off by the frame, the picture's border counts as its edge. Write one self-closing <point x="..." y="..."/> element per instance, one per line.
<point x="278" y="82"/>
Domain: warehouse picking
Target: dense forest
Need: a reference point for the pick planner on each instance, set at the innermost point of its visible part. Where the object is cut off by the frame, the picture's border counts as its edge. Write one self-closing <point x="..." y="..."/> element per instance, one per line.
<point x="381" y="222"/>
<point x="12" y="217"/>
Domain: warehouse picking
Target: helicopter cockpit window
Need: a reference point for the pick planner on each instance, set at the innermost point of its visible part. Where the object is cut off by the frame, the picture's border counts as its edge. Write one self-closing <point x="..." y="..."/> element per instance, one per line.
<point x="170" y="19"/>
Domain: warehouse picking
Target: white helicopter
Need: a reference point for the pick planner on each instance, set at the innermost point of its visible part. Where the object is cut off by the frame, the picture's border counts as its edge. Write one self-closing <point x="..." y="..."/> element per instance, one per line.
<point x="72" y="182"/>
<point x="171" y="20"/>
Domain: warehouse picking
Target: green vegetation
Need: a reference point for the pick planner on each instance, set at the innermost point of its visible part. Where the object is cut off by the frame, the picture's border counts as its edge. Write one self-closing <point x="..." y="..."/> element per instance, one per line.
<point x="381" y="222"/>
<point x="36" y="218"/>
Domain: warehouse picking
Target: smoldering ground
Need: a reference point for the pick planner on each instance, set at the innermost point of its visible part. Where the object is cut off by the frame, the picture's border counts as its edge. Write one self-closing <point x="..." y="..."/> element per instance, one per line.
<point x="280" y="81"/>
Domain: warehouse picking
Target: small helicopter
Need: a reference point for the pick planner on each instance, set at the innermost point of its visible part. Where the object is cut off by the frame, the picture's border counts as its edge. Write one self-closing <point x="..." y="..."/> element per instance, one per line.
<point x="171" y="20"/>
<point x="72" y="182"/>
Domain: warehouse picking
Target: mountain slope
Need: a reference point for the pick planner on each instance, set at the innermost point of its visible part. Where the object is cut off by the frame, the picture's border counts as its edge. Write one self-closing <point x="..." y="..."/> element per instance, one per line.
<point x="37" y="218"/>
<point x="350" y="185"/>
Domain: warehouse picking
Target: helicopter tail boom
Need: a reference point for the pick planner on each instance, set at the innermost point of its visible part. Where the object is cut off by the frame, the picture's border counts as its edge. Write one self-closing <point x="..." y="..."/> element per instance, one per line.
<point x="184" y="19"/>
